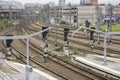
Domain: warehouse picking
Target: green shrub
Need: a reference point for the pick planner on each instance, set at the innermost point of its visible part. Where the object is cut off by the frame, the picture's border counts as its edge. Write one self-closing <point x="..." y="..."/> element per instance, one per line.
<point x="5" y="23"/>
<point x="77" y="52"/>
<point x="115" y="27"/>
<point x="60" y="48"/>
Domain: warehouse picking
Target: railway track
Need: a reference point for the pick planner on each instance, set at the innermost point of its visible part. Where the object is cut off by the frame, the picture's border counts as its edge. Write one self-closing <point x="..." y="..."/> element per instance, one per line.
<point x="23" y="61"/>
<point x="82" y="45"/>
<point x="74" y="64"/>
<point x="80" y="34"/>
<point x="53" y="59"/>
<point x="6" y="31"/>
<point x="62" y="66"/>
<point x="20" y="58"/>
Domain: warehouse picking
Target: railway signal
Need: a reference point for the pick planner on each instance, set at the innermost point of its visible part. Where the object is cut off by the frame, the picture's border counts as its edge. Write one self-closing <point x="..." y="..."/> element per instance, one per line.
<point x="87" y="25"/>
<point x="66" y="31"/>
<point x="92" y="38"/>
<point x="45" y="39"/>
<point x="8" y="42"/>
<point x="45" y="55"/>
<point x="8" y="46"/>
<point x="44" y="34"/>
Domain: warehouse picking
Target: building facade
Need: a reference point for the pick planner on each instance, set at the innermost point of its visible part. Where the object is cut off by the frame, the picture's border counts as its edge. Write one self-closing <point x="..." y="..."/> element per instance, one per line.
<point x="87" y="12"/>
<point x="118" y="11"/>
<point x="77" y="14"/>
<point x="10" y="9"/>
<point x="94" y="2"/>
<point x="89" y="2"/>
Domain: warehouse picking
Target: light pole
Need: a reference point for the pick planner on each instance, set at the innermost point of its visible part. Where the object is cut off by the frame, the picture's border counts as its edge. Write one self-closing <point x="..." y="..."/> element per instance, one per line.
<point x="70" y="12"/>
<point x="110" y="11"/>
<point x="110" y="26"/>
<point x="55" y="16"/>
<point x="99" y="21"/>
<point x="10" y="13"/>
<point x="45" y="34"/>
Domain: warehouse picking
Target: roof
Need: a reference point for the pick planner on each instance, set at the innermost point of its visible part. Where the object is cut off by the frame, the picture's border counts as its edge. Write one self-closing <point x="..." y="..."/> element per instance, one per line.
<point x="5" y="5"/>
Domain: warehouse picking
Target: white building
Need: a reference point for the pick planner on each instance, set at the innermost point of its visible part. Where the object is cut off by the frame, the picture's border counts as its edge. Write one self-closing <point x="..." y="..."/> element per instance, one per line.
<point x="78" y="13"/>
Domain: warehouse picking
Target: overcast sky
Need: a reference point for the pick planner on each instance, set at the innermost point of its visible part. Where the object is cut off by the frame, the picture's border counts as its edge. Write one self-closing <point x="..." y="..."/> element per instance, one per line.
<point x="72" y="1"/>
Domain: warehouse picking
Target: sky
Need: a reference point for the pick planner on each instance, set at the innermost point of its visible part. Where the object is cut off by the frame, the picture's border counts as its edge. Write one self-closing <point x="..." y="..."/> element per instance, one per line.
<point x="67" y="1"/>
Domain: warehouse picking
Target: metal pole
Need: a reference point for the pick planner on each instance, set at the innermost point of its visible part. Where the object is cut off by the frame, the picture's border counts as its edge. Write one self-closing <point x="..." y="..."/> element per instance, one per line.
<point x="70" y="15"/>
<point x="59" y="14"/>
<point x="110" y="23"/>
<point x="48" y="15"/>
<point x="27" y="51"/>
<point x="105" y="50"/>
<point x="55" y="15"/>
<point x="45" y="15"/>
<point x="48" y="21"/>
<point x="46" y="7"/>
<point x="10" y="13"/>
<point x="99" y="13"/>
<point x="98" y="24"/>
<point x="77" y="16"/>
<point x="27" y="71"/>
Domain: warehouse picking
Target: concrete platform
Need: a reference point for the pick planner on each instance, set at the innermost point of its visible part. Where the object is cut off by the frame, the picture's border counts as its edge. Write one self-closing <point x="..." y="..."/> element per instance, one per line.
<point x="15" y="71"/>
<point x="112" y="66"/>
